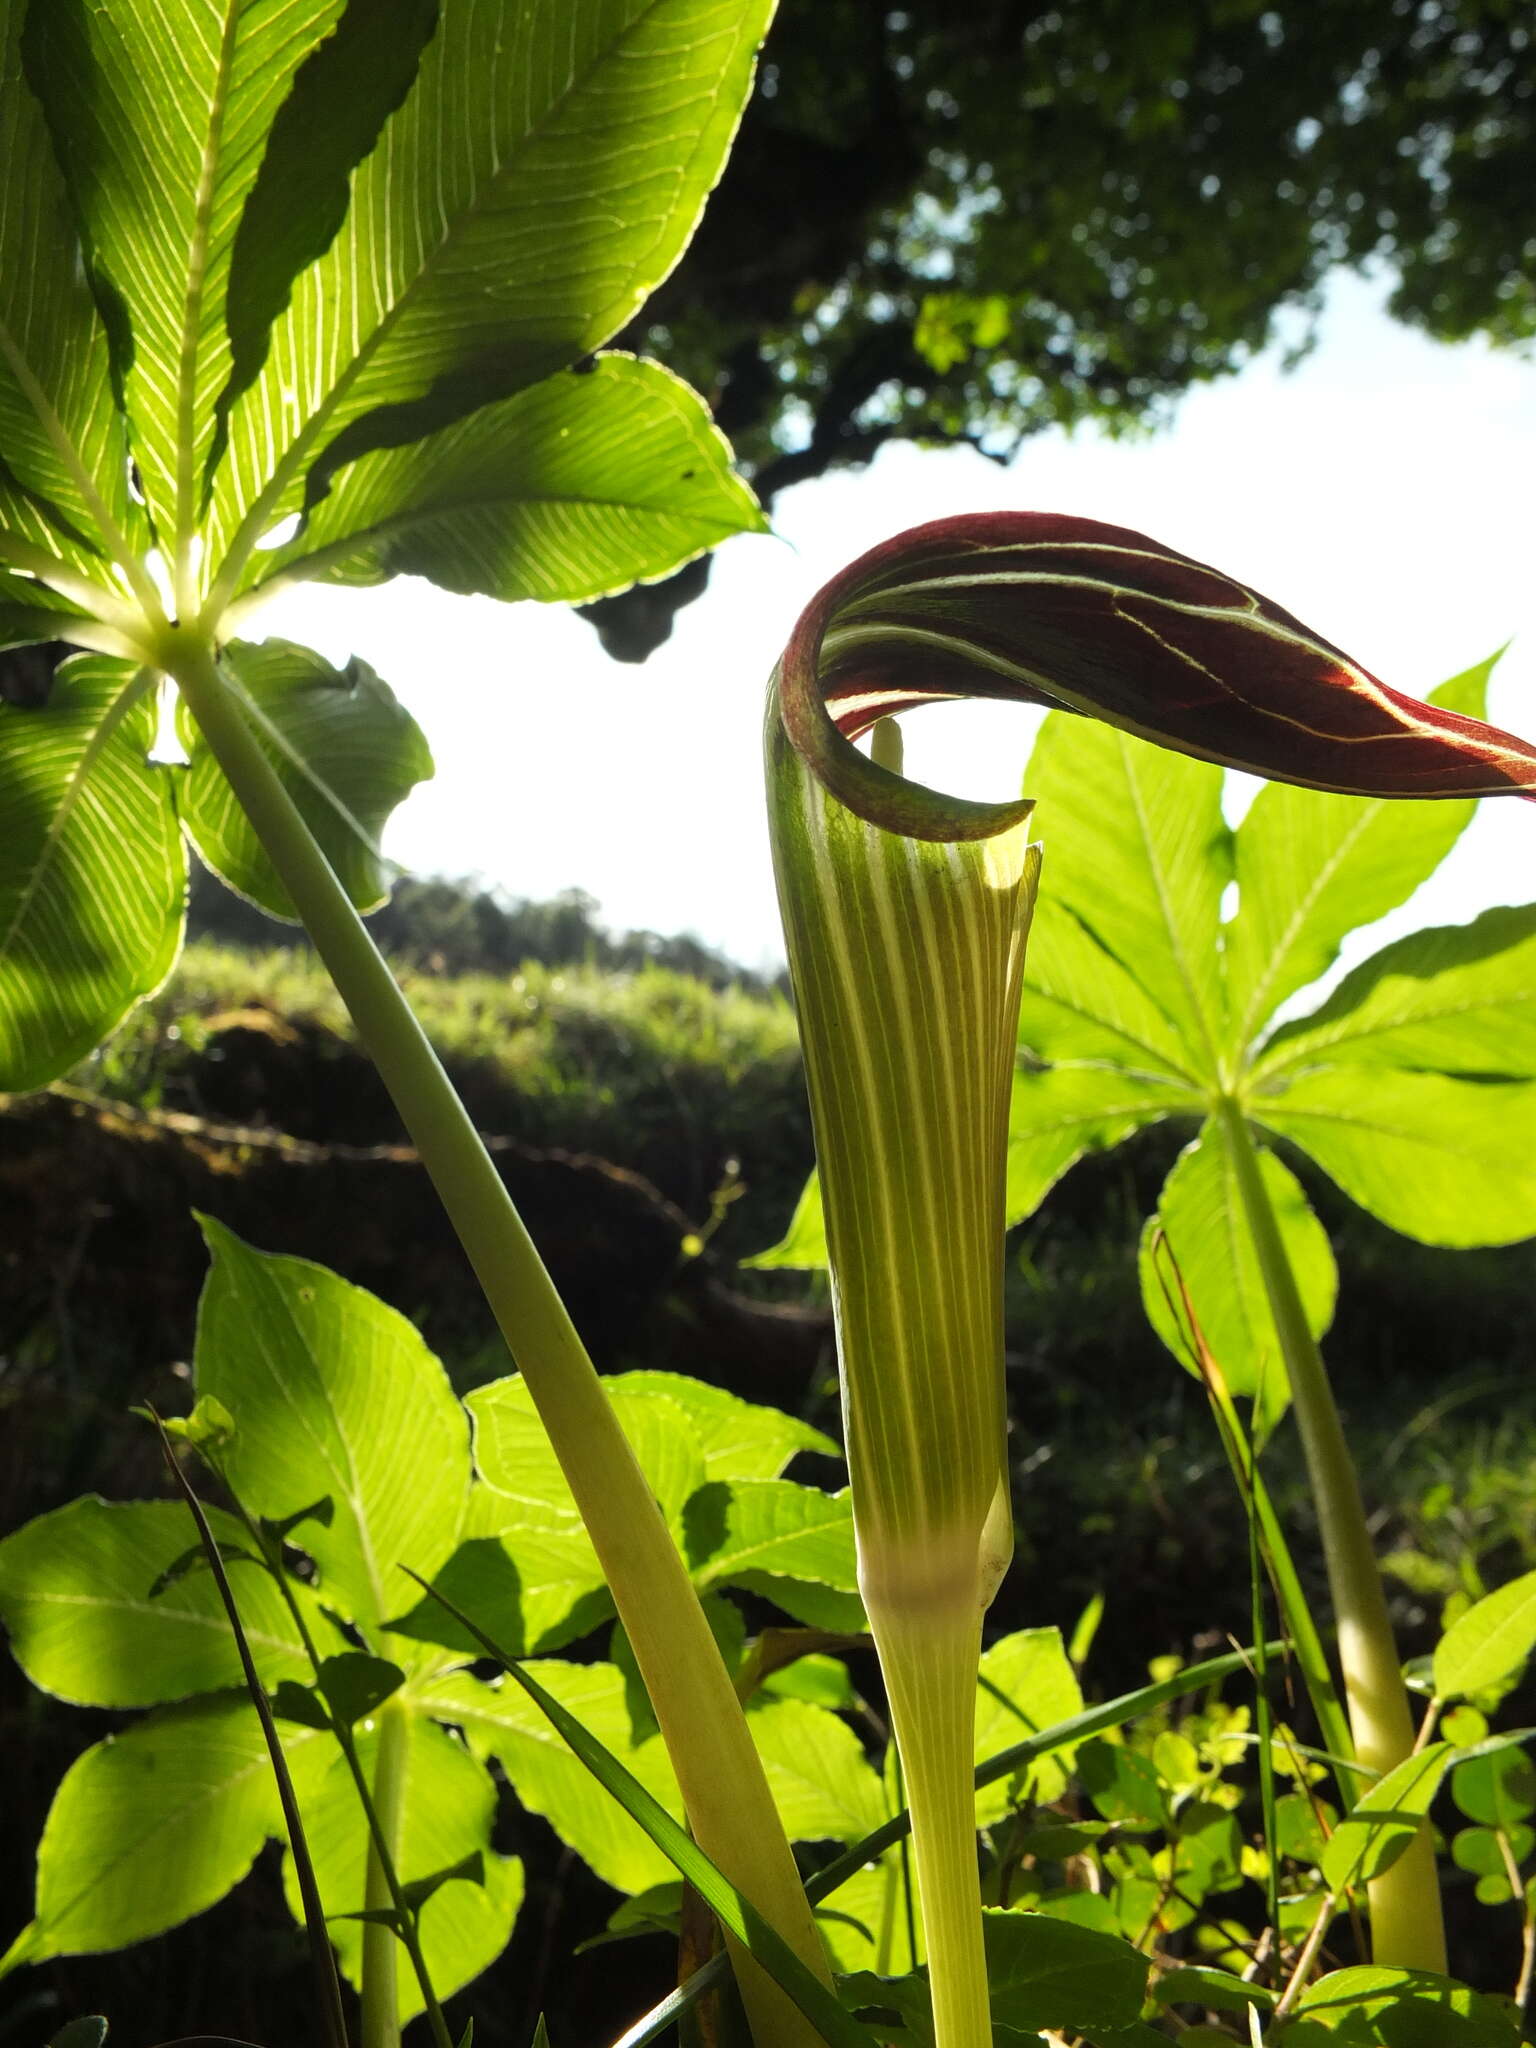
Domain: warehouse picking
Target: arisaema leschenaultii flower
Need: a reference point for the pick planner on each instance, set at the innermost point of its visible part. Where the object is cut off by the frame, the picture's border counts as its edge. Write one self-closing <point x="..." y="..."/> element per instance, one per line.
<point x="906" y="914"/>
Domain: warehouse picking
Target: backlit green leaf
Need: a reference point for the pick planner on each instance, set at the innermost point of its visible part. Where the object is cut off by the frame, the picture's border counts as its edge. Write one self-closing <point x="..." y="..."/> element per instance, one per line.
<point x="1208" y="1246"/>
<point x="804" y="1245"/>
<point x="75" y="1596"/>
<point x="154" y="1825"/>
<point x="500" y="1720"/>
<point x="514" y="1456"/>
<point x="581" y="485"/>
<point x="58" y="425"/>
<point x="1065" y="1112"/>
<point x="1082" y="1003"/>
<point x="1443" y="1160"/>
<point x="1311" y="867"/>
<point x="772" y="1529"/>
<point x="345" y="747"/>
<point x="1457" y="999"/>
<point x="160" y="110"/>
<point x="1371" y="1838"/>
<point x="739" y="1439"/>
<point x="449" y="1806"/>
<point x="334" y="1393"/>
<point x="1024" y="1684"/>
<point x="1490" y="1642"/>
<point x="1383" y="2008"/>
<point x="92" y="873"/>
<point x="565" y="154"/>
<point x="534" y="1590"/>
<point x="823" y="1785"/>
<point x="1140" y="854"/>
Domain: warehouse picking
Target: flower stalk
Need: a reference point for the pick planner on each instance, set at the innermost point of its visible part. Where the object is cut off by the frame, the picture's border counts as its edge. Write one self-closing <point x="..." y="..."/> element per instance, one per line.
<point x="725" y="1791"/>
<point x="907" y="960"/>
<point x="1407" y="1929"/>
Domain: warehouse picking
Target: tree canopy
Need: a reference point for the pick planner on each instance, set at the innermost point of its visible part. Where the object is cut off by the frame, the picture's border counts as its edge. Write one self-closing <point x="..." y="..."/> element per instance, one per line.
<point x="964" y="221"/>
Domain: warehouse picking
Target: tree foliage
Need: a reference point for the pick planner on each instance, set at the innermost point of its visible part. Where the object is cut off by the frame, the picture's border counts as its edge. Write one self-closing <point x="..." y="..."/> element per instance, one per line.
<point x="969" y="220"/>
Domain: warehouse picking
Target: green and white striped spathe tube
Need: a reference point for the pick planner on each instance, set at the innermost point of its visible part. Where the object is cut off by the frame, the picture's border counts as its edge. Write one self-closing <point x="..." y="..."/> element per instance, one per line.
<point x="907" y="958"/>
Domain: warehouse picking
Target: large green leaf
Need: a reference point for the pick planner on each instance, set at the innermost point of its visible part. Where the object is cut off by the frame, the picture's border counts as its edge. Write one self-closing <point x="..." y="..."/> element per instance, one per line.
<point x="152" y="1826"/>
<point x="1041" y="1972"/>
<point x="823" y="1784"/>
<point x="1457" y="999"/>
<point x="333" y="1395"/>
<point x="739" y="1439"/>
<point x="1443" y="1160"/>
<point x="58" y="425"/>
<point x="1140" y="853"/>
<point x="75" y="1592"/>
<point x="1209" y="1246"/>
<point x="566" y="155"/>
<point x="1367" y="2007"/>
<point x="344" y="745"/>
<point x="1490" y="1642"/>
<point x="1062" y="1113"/>
<point x="1025" y="1683"/>
<point x="1311" y="867"/>
<point x="1383" y="1822"/>
<point x="1083" y="1003"/>
<point x="533" y="1590"/>
<point x="514" y="1456"/>
<point x="500" y="1720"/>
<point x="92" y="874"/>
<point x="30" y="612"/>
<point x="160" y="111"/>
<point x="769" y="1529"/>
<point x="581" y="485"/>
<point x="446" y="1815"/>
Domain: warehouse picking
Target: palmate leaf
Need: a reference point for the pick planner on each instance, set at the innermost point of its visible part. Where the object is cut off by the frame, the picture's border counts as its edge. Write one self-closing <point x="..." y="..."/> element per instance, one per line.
<point x="1443" y="1160"/>
<point x="92" y="872"/>
<point x="1208" y="1247"/>
<point x="447" y="1814"/>
<point x="59" y="428"/>
<point x="1312" y="867"/>
<point x="75" y="1593"/>
<point x="333" y="1393"/>
<point x="500" y="1720"/>
<point x="566" y="154"/>
<point x="1141" y="854"/>
<point x="1455" y="999"/>
<point x="1061" y="1114"/>
<point x="581" y="485"/>
<point x="347" y="750"/>
<point x="160" y="112"/>
<point x="152" y="1826"/>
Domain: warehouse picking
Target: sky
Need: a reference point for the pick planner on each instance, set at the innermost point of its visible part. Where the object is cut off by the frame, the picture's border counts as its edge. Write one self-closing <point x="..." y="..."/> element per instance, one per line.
<point x="1381" y="491"/>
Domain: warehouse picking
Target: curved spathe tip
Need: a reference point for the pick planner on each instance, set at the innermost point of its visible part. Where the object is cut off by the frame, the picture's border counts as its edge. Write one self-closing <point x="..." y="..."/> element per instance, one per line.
<point x="1047" y="609"/>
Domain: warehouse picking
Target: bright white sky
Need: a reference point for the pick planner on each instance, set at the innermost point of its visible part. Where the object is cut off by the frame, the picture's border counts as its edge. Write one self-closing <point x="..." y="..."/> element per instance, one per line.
<point x="1382" y="492"/>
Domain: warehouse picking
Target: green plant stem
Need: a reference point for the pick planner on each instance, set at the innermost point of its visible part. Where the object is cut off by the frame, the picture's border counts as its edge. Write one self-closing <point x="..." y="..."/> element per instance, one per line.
<point x="929" y="1661"/>
<point x="1306" y="1643"/>
<point x="1406" y="1927"/>
<point x="381" y="1955"/>
<point x="408" y="1917"/>
<point x="724" y="1788"/>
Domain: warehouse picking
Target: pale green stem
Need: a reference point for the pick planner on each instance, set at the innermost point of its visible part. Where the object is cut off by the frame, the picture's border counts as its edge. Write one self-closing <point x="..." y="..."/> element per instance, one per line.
<point x="381" y="1945"/>
<point x="1406" y="1926"/>
<point x="724" y="1788"/>
<point x="929" y="1661"/>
